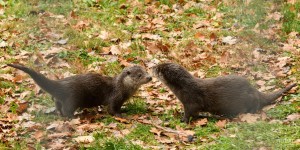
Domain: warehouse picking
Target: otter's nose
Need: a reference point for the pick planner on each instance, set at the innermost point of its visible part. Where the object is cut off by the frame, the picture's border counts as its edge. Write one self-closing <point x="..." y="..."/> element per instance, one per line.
<point x="149" y="78"/>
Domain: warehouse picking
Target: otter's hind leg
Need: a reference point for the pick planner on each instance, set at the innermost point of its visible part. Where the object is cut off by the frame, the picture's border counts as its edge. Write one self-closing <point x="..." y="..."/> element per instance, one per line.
<point x="69" y="106"/>
<point x="58" y="106"/>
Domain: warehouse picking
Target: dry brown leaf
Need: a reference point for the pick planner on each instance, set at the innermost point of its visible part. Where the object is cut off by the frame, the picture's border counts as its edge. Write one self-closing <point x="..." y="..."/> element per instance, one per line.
<point x="104" y="35"/>
<point x="75" y="121"/>
<point x="22" y="107"/>
<point x="297" y="142"/>
<point x="201" y="122"/>
<point x="84" y="139"/>
<point x="57" y="144"/>
<point x="24" y="94"/>
<point x="199" y="36"/>
<point x="73" y="14"/>
<point x="201" y="24"/>
<point x="124" y="62"/>
<point x="164" y="140"/>
<point x="260" y="82"/>
<point x="115" y="50"/>
<point x="249" y="118"/>
<point x="18" y="78"/>
<point x="293" y="117"/>
<point x="221" y="123"/>
<point x="81" y="25"/>
<point x="38" y="135"/>
<point x="90" y="127"/>
<point x="213" y="37"/>
<point x="229" y="40"/>
<point x="122" y="120"/>
<point x="151" y="36"/>
<point x="152" y="47"/>
<point x="224" y="58"/>
<point x="59" y="135"/>
<point x="155" y="131"/>
<point x="125" y="131"/>
<point x="112" y="125"/>
<point x="7" y="77"/>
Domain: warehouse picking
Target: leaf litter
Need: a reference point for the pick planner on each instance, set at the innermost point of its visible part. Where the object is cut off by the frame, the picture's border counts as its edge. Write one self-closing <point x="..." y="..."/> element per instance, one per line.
<point x="214" y="49"/>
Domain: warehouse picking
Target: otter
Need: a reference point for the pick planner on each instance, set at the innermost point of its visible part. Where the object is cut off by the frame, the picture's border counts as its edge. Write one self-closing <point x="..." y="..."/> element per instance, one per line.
<point x="91" y="89"/>
<point x="225" y="96"/>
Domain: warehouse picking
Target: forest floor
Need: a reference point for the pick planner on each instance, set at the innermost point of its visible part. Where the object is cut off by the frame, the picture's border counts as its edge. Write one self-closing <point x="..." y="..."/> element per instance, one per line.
<point x="257" y="39"/>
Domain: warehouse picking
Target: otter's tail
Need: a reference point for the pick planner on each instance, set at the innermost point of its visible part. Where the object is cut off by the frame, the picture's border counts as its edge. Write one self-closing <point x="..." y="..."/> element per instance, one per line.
<point x="46" y="84"/>
<point x="271" y="97"/>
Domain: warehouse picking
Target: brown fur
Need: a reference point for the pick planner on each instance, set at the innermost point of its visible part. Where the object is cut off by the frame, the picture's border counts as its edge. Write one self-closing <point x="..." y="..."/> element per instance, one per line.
<point x="91" y="89"/>
<point x="225" y="96"/>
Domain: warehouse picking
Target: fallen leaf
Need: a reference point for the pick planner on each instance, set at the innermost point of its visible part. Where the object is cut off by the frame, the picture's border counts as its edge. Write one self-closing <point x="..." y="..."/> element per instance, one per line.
<point x="115" y="50"/>
<point x="221" y="123"/>
<point x="112" y="125"/>
<point x="3" y="44"/>
<point x="151" y="36"/>
<point x="50" y="110"/>
<point x="293" y="117"/>
<point x="117" y="134"/>
<point x="57" y="144"/>
<point x="18" y="78"/>
<point x="81" y="25"/>
<point x="125" y="131"/>
<point x="75" y="121"/>
<point x="104" y="35"/>
<point x="155" y="131"/>
<point x="62" y="41"/>
<point x="213" y="37"/>
<point x="201" y="122"/>
<point x="38" y="135"/>
<point x="260" y="82"/>
<point x="122" y="120"/>
<point x="73" y="14"/>
<point x="297" y="142"/>
<point x="199" y="36"/>
<point x="24" y="94"/>
<point x="229" y="40"/>
<point x="249" y="118"/>
<point x="7" y="77"/>
<point x="84" y="139"/>
<point x="22" y="107"/>
<point x="59" y="135"/>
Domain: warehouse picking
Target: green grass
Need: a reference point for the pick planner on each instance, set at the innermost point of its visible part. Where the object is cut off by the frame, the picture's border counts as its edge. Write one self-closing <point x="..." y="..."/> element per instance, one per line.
<point x="285" y="108"/>
<point x="290" y="20"/>
<point x="112" y="17"/>
<point x="207" y="130"/>
<point x="142" y="132"/>
<point x="260" y="134"/>
<point x="6" y="84"/>
<point x="2" y="99"/>
<point x="102" y="143"/>
<point x="136" y="106"/>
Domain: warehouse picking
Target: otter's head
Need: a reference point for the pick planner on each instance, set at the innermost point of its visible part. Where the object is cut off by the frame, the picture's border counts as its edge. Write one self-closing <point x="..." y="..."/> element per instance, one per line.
<point x="171" y="73"/>
<point x="134" y="77"/>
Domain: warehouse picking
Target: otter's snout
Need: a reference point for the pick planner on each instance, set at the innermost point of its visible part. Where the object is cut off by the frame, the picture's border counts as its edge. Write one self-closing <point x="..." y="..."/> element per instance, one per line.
<point x="149" y="78"/>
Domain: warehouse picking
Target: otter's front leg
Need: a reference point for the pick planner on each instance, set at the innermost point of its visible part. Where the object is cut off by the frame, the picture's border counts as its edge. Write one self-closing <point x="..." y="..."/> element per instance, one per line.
<point x="114" y="107"/>
<point x="190" y="113"/>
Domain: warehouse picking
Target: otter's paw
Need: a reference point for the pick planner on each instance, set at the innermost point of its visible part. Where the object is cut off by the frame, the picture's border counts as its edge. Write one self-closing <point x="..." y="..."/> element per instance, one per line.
<point x="184" y="120"/>
<point x="118" y="115"/>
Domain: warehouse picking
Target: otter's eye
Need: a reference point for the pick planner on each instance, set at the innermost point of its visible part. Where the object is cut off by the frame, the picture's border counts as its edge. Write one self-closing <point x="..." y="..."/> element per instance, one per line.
<point x="128" y="72"/>
<point x="140" y="75"/>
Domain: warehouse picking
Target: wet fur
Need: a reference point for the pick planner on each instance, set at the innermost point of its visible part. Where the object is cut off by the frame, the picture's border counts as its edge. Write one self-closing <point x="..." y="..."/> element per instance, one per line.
<point x="225" y="96"/>
<point x="89" y="90"/>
